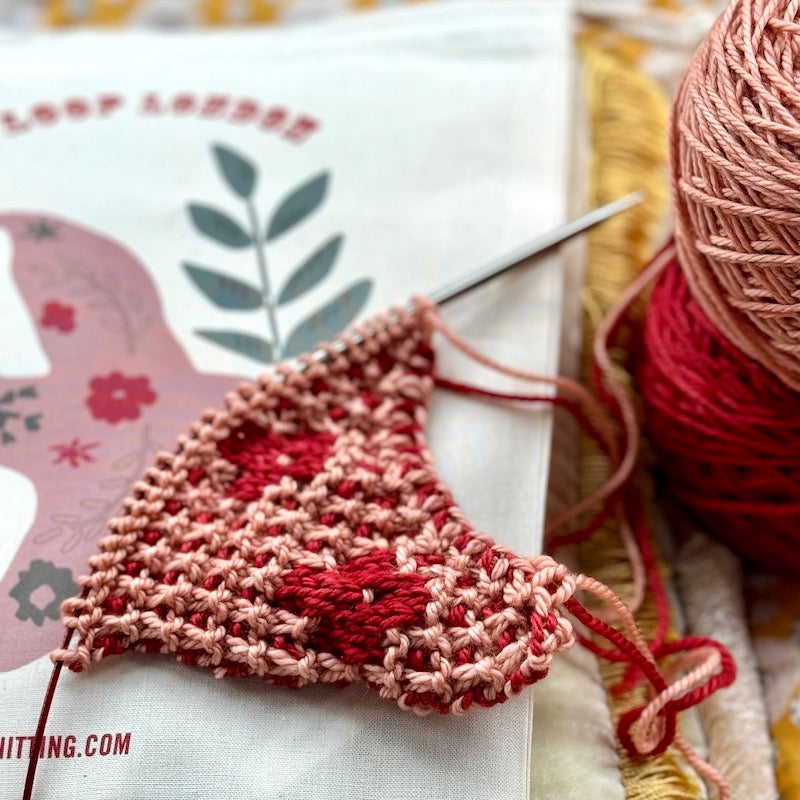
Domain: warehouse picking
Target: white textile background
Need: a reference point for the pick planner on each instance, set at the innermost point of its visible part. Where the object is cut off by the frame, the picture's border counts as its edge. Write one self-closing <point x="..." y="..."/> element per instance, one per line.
<point x="445" y="132"/>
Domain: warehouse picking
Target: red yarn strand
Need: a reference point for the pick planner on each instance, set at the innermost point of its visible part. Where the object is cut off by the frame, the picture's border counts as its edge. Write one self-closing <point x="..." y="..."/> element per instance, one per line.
<point x="36" y="746"/>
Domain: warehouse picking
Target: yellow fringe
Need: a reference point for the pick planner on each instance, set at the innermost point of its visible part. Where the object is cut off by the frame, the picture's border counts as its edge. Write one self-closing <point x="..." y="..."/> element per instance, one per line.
<point x="628" y="116"/>
<point x="116" y="13"/>
<point x="100" y="12"/>
<point x="258" y="12"/>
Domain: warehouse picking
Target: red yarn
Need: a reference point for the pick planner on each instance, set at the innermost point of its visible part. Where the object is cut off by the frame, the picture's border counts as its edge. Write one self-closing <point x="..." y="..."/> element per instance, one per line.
<point x="726" y="430"/>
<point x="627" y="652"/>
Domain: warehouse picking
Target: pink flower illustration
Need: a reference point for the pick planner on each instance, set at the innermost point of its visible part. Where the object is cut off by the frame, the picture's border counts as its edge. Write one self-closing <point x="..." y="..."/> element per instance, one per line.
<point x="117" y="397"/>
<point x="58" y="315"/>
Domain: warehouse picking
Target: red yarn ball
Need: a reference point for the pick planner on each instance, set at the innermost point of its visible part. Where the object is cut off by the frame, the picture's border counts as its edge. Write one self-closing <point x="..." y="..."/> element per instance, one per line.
<point x="726" y="430"/>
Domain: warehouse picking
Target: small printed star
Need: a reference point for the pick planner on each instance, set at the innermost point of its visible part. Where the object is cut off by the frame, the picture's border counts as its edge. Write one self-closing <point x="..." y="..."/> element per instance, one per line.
<point x="43" y="229"/>
<point x="73" y="453"/>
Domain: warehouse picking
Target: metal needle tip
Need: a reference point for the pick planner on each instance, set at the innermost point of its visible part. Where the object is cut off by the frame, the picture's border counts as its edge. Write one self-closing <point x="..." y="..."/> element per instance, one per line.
<point x="470" y="280"/>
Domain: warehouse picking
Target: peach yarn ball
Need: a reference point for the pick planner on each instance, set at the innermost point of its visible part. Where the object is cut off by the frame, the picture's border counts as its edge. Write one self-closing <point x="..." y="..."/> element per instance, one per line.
<point x="735" y="142"/>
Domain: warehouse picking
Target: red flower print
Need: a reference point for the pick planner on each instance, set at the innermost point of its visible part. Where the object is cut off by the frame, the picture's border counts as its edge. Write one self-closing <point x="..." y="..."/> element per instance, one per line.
<point x="74" y="453"/>
<point x="117" y="397"/>
<point x="60" y="316"/>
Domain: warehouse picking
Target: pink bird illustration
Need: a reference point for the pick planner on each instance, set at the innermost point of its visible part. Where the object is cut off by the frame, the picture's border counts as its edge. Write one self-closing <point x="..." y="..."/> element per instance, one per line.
<point x="119" y="390"/>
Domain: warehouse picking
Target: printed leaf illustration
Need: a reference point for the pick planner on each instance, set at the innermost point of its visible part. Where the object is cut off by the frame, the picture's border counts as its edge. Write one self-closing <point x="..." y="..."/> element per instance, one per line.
<point x="239" y="173"/>
<point x="298" y="205"/>
<point x="243" y="343"/>
<point x="7" y="397"/>
<point x="329" y="320"/>
<point x="218" y="226"/>
<point x="32" y="422"/>
<point x="223" y="291"/>
<point x="312" y="271"/>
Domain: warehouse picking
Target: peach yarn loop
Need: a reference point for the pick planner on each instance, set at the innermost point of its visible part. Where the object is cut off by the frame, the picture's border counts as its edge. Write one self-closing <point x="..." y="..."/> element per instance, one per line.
<point x="735" y="134"/>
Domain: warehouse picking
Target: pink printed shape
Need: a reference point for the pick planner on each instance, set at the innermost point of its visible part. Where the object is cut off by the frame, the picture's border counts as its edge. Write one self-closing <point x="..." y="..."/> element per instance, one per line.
<point x="65" y="274"/>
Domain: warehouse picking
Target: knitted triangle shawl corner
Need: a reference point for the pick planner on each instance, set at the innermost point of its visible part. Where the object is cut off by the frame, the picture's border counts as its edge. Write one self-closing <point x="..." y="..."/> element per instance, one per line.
<point x="302" y="534"/>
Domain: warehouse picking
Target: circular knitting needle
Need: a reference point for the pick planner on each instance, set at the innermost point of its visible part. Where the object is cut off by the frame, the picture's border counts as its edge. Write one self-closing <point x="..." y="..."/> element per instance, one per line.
<point x="497" y="266"/>
<point x="538" y="246"/>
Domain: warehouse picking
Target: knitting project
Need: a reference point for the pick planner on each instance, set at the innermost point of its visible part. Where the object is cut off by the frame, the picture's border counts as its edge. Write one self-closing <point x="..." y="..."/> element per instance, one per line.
<point x="302" y="535"/>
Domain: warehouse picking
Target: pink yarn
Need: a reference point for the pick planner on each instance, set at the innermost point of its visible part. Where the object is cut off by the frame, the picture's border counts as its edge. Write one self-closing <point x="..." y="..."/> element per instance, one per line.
<point x="735" y="134"/>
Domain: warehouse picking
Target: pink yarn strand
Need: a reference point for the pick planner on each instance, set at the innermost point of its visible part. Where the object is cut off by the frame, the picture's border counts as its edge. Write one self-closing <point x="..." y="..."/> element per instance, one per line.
<point x="706" y="662"/>
<point x="595" y="412"/>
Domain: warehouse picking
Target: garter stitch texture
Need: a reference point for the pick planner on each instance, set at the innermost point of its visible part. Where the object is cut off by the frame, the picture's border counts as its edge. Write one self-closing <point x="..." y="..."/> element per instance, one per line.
<point x="302" y="535"/>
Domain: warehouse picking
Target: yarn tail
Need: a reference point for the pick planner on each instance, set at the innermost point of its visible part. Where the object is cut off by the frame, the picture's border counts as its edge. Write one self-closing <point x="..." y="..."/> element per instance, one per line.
<point x="707" y="666"/>
<point x="30" y="775"/>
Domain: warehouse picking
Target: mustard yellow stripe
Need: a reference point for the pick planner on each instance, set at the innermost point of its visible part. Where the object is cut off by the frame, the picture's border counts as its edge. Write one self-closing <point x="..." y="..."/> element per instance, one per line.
<point x="235" y="12"/>
<point x="786" y="735"/>
<point x="59" y="13"/>
<point x="628" y="116"/>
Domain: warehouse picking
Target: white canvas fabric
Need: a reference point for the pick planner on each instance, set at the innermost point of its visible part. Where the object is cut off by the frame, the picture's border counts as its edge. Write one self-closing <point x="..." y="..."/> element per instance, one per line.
<point x="442" y="133"/>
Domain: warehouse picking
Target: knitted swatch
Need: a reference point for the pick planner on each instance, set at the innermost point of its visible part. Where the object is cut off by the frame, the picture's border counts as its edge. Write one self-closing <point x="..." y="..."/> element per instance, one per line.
<point x="302" y="535"/>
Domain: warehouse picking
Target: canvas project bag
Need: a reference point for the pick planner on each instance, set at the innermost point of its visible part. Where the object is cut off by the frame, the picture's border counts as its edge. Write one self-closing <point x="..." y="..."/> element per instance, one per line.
<point x="416" y="144"/>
